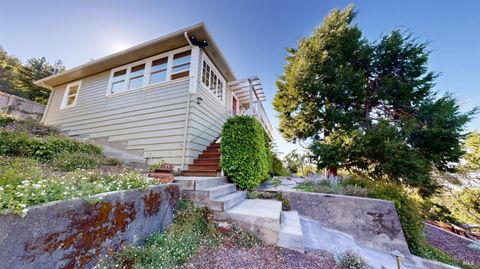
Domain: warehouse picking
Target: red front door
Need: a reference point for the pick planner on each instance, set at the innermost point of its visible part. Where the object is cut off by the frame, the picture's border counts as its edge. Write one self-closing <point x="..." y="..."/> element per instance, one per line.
<point x="234" y="105"/>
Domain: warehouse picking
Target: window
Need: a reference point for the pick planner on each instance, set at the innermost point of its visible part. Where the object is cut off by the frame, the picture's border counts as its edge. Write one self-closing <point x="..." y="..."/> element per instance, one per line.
<point x="118" y="81"/>
<point x="158" y="72"/>
<point x="150" y="71"/>
<point x="71" y="94"/>
<point x="212" y="80"/>
<point x="181" y="64"/>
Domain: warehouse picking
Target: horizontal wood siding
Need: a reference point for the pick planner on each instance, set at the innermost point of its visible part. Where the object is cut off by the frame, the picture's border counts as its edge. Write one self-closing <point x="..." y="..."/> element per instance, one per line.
<point x="205" y="120"/>
<point x="151" y="119"/>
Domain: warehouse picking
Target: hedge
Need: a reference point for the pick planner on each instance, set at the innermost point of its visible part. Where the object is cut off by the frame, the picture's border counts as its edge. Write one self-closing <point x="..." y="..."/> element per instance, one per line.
<point x="246" y="157"/>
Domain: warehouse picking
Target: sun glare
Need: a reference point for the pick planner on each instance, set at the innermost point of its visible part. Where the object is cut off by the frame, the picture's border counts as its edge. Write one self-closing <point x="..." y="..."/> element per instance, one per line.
<point x="119" y="46"/>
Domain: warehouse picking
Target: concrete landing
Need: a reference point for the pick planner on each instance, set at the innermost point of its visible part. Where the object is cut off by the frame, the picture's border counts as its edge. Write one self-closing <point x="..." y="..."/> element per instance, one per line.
<point x="317" y="237"/>
<point x="261" y="217"/>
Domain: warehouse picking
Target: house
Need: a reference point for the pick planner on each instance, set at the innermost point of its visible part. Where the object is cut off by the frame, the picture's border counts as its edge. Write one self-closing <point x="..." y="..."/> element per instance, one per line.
<point x="165" y="99"/>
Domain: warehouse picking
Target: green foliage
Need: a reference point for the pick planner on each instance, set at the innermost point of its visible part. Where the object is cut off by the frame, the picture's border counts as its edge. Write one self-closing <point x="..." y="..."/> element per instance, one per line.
<point x="245" y="154"/>
<point x="17" y="78"/>
<point x="10" y="123"/>
<point x="159" y="165"/>
<point x="351" y="260"/>
<point x="26" y="182"/>
<point x="471" y="145"/>
<point x="191" y="230"/>
<point x="66" y="161"/>
<point x="324" y="186"/>
<point x="23" y="144"/>
<point x="369" y="106"/>
<point x="277" y="167"/>
<point x="454" y="206"/>
<point x="270" y="196"/>
<point x="112" y="161"/>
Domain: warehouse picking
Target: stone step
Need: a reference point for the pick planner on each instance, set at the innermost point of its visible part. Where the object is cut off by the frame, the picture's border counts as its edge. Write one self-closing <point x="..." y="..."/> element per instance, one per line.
<point x="203" y="196"/>
<point x="227" y="201"/>
<point x="291" y="234"/>
<point x="197" y="183"/>
<point x="261" y="217"/>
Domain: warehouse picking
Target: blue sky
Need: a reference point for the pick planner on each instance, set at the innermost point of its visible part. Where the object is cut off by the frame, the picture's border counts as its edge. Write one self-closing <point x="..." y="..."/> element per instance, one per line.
<point x="251" y="34"/>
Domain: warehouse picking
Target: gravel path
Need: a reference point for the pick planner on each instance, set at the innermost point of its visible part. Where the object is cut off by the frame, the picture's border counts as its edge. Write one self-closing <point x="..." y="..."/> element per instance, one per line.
<point x="262" y="257"/>
<point x="453" y="245"/>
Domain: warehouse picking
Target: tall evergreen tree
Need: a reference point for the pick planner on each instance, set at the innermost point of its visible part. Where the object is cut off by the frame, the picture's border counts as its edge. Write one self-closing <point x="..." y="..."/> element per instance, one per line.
<point x="9" y="74"/>
<point x="368" y="106"/>
<point x="35" y="69"/>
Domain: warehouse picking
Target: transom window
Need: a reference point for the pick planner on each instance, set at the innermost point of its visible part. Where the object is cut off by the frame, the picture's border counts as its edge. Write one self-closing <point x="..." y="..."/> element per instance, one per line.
<point x="212" y="80"/>
<point x="157" y="69"/>
<point x="71" y="94"/>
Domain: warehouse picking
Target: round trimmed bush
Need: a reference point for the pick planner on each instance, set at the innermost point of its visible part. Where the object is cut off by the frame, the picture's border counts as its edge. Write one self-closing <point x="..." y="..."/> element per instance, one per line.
<point x="245" y="152"/>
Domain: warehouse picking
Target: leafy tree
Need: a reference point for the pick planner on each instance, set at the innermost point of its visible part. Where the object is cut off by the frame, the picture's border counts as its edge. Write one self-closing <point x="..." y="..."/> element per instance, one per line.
<point x="35" y="69"/>
<point x="472" y="149"/>
<point x="368" y="106"/>
<point x="9" y="74"/>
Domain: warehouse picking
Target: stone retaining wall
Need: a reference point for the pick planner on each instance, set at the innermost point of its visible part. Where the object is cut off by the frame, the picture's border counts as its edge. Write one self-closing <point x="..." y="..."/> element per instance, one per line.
<point x="370" y="222"/>
<point x="76" y="233"/>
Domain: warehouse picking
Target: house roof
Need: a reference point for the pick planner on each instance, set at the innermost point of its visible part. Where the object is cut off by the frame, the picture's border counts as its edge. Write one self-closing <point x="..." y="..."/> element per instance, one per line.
<point x="156" y="46"/>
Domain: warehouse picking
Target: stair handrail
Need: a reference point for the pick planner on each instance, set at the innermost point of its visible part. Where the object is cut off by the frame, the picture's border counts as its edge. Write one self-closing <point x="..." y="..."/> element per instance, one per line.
<point x="224" y="116"/>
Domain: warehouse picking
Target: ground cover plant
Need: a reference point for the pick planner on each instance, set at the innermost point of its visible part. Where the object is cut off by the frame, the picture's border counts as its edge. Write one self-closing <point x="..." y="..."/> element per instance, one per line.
<point x="38" y="164"/>
<point x="191" y="230"/>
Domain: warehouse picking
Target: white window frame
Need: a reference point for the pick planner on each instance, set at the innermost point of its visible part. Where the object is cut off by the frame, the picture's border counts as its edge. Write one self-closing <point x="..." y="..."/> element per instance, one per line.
<point x="218" y="74"/>
<point x="77" y="83"/>
<point x="147" y="71"/>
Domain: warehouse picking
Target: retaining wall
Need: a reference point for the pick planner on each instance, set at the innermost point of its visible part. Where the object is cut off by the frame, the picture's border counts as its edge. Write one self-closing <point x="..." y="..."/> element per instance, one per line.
<point x="370" y="222"/>
<point x="76" y="233"/>
<point x="20" y="107"/>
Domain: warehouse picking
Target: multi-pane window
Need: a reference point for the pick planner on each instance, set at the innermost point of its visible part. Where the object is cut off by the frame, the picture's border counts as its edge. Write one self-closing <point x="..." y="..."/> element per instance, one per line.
<point x="181" y="64"/>
<point x="150" y="71"/>
<point x="71" y="94"/>
<point x="212" y="80"/>
<point x="158" y="71"/>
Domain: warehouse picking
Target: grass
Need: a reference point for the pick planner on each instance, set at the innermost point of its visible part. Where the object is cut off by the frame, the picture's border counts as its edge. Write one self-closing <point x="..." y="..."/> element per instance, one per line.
<point x="192" y="229"/>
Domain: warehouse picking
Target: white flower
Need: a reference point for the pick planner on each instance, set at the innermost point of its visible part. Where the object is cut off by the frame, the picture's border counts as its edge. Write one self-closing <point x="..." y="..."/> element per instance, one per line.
<point x="22" y="205"/>
<point x="36" y="186"/>
<point x="24" y="211"/>
<point x="25" y="182"/>
<point x="1" y="188"/>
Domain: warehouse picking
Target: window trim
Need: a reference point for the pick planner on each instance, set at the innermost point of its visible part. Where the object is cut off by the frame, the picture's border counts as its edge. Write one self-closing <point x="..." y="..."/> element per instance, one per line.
<point x="147" y="71"/>
<point x="66" y="95"/>
<point x="218" y="74"/>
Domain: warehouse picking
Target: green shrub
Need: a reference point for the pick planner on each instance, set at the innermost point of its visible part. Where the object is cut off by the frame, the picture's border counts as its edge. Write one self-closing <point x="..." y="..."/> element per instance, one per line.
<point x="67" y="161"/>
<point x="277" y="167"/>
<point x="245" y="157"/>
<point x="24" y="144"/>
<point x="112" y="161"/>
<point x="6" y="119"/>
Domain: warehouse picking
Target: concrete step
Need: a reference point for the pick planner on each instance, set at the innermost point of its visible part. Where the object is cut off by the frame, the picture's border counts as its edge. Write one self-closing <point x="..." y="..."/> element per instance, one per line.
<point x="227" y="201"/>
<point x="197" y="183"/>
<point x="291" y="234"/>
<point x="261" y="217"/>
<point x="217" y="191"/>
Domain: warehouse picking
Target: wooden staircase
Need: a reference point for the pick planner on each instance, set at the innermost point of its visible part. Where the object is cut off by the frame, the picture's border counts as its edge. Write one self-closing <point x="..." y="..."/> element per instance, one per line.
<point x="207" y="163"/>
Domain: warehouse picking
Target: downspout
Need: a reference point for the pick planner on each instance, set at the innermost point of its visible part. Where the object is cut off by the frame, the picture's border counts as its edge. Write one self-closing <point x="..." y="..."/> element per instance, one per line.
<point x="187" y="115"/>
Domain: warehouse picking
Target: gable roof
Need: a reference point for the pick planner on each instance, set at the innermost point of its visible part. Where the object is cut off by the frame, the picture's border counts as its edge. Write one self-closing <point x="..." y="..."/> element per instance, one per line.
<point x="153" y="47"/>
